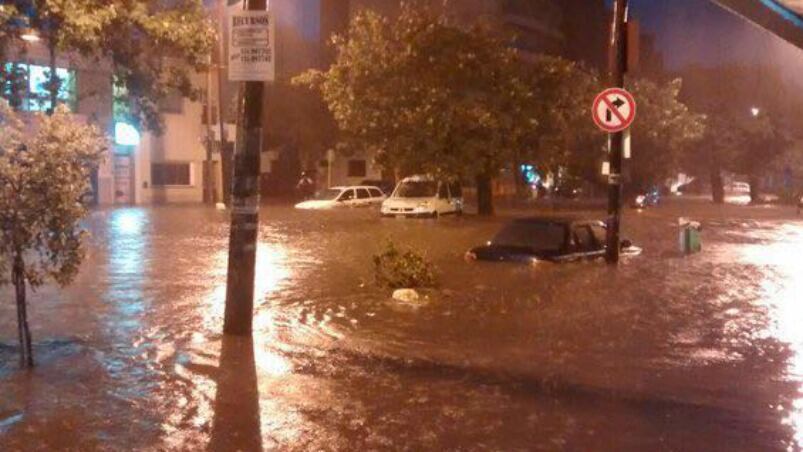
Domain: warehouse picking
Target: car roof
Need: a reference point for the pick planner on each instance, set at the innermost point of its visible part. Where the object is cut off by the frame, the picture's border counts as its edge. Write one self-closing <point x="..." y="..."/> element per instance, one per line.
<point x="343" y="187"/>
<point x="559" y="219"/>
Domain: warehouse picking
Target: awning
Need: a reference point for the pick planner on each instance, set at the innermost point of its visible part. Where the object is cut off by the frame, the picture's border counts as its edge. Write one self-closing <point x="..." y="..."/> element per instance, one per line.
<point x="781" y="17"/>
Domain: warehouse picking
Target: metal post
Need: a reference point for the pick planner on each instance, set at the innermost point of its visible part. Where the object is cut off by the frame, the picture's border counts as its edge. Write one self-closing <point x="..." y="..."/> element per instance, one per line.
<point x="245" y="209"/>
<point x="616" y="66"/>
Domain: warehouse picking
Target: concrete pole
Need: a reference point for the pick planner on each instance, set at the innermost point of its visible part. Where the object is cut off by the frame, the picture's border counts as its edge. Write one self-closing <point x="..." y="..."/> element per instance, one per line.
<point x="617" y="58"/>
<point x="245" y="209"/>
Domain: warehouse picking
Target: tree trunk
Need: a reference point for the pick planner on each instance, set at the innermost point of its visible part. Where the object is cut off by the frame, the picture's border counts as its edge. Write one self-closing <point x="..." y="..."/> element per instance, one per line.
<point x="755" y="190"/>
<point x="485" y="205"/>
<point x="26" y="347"/>
<point x="717" y="186"/>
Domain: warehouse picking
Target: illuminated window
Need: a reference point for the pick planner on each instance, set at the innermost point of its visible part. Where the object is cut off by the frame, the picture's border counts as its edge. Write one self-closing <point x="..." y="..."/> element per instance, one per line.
<point x="29" y="82"/>
<point x="170" y="174"/>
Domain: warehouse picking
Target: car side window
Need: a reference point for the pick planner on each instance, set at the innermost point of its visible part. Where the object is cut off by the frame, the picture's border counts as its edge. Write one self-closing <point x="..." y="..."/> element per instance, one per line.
<point x="583" y="240"/>
<point x="443" y="191"/>
<point x="363" y="193"/>
<point x="347" y="195"/>
<point x="375" y="192"/>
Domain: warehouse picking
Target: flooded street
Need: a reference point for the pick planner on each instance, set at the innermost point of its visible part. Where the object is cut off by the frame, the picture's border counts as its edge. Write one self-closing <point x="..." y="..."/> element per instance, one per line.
<point x="666" y="353"/>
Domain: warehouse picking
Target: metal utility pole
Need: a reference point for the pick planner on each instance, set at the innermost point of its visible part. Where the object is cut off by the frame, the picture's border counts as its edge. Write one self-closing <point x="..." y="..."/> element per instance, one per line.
<point x="617" y="65"/>
<point x="245" y="208"/>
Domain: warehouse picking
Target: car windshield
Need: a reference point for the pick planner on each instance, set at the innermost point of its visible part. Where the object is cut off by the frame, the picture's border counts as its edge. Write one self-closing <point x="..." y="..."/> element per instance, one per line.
<point x="417" y="189"/>
<point x="328" y="194"/>
<point x="537" y="236"/>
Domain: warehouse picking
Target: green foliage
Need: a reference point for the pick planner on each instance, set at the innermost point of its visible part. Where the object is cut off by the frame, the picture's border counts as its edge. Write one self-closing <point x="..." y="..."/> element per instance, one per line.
<point x="736" y="139"/>
<point x="663" y="130"/>
<point x="564" y="135"/>
<point x="427" y="95"/>
<point x="44" y="175"/>
<point x="402" y="270"/>
<point x="153" y="46"/>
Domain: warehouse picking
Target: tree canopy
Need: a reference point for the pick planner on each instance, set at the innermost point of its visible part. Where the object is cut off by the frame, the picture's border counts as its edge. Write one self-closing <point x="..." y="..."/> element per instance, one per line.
<point x="152" y="45"/>
<point x="427" y="95"/>
<point x="44" y="177"/>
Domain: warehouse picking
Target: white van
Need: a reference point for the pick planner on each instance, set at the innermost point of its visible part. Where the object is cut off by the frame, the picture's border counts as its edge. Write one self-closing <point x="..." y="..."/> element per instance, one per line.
<point x="424" y="196"/>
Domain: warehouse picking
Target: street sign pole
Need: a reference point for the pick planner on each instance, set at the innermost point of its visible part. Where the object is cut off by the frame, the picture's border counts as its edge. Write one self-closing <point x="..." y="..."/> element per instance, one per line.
<point x="238" y="317"/>
<point x="616" y="65"/>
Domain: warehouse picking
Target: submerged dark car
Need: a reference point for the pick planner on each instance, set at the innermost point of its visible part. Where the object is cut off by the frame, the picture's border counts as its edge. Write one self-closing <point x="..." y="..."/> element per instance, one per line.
<point x="530" y="240"/>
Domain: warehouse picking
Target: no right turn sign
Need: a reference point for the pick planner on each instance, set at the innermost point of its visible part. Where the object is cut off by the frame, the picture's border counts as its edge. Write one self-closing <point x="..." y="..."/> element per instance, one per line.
<point x="614" y="110"/>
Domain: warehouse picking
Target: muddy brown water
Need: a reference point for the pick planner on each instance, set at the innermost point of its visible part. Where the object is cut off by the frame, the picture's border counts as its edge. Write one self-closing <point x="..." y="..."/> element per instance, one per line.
<point x="665" y="353"/>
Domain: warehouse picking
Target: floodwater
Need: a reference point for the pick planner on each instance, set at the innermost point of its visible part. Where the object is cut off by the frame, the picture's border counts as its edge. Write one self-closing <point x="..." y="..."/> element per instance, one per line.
<point x="666" y="353"/>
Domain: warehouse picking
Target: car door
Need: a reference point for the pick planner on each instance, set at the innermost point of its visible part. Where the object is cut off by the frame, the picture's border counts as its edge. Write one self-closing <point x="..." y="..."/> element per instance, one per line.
<point x="600" y="234"/>
<point x="363" y="197"/>
<point x="348" y="198"/>
<point x="456" y="196"/>
<point x="443" y="201"/>
<point x="585" y="246"/>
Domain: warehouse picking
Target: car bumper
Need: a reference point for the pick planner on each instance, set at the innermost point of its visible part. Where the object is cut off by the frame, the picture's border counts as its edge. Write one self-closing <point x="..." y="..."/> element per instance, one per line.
<point x="408" y="214"/>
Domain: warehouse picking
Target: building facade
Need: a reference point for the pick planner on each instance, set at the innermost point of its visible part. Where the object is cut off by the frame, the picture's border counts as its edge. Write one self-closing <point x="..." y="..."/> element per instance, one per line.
<point x="141" y="167"/>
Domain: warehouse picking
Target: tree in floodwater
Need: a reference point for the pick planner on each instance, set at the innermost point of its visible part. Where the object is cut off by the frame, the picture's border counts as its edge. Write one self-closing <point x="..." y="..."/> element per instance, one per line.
<point x="44" y="177"/>
<point x="151" y="47"/>
<point x="428" y="96"/>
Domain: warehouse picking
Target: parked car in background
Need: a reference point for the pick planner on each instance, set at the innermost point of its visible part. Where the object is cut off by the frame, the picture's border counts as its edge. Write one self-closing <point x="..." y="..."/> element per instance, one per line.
<point x="650" y="198"/>
<point x="738" y="187"/>
<point x="424" y="196"/>
<point x="355" y="196"/>
<point x="568" y="190"/>
<point x="552" y="239"/>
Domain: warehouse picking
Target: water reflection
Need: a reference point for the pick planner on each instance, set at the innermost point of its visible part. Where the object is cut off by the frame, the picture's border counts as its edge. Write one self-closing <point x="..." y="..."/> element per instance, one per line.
<point x="128" y="254"/>
<point x="781" y="255"/>
<point x="237" y="416"/>
<point x="236" y="424"/>
<point x="271" y="271"/>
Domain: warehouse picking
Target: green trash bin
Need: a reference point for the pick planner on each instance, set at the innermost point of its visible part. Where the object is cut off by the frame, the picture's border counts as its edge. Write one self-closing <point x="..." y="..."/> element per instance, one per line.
<point x="690" y="240"/>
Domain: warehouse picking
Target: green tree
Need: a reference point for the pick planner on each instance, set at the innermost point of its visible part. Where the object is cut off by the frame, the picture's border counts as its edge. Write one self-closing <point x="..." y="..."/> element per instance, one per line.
<point x="664" y="128"/>
<point x="748" y="111"/>
<point x="44" y="176"/>
<point x="564" y="135"/>
<point x="153" y="46"/>
<point x="428" y="96"/>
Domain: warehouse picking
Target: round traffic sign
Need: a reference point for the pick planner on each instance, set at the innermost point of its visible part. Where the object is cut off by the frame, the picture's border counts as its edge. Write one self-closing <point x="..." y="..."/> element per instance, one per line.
<point x="614" y="110"/>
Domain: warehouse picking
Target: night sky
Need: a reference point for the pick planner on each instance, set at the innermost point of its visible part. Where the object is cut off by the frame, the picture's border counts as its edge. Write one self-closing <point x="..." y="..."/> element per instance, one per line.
<point x="699" y="31"/>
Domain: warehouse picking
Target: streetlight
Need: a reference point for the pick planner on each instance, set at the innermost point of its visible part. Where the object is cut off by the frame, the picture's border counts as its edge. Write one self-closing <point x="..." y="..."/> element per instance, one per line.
<point x="755" y="111"/>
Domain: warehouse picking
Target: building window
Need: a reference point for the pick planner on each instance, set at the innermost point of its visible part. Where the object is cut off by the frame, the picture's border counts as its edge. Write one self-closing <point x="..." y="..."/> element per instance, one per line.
<point x="357" y="168"/>
<point x="170" y="174"/>
<point x="26" y="85"/>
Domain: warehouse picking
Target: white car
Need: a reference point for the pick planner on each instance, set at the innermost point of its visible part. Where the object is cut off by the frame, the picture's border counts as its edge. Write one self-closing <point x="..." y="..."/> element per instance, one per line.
<point x="423" y="196"/>
<point x="330" y="198"/>
<point x="739" y="187"/>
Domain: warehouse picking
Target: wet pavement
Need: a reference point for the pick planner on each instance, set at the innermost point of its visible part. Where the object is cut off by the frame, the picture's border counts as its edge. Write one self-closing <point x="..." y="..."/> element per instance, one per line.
<point x="666" y="353"/>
